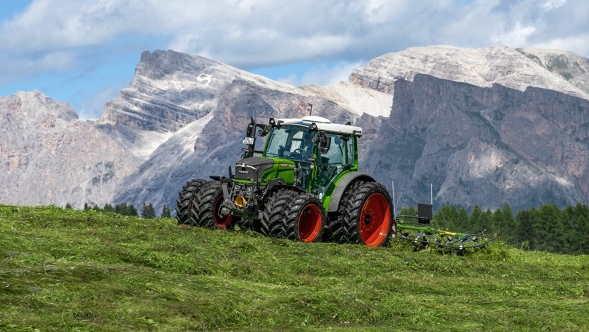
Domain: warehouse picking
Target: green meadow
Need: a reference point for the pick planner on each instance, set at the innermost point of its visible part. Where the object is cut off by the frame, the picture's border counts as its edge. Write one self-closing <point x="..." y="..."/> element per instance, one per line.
<point x="69" y="270"/>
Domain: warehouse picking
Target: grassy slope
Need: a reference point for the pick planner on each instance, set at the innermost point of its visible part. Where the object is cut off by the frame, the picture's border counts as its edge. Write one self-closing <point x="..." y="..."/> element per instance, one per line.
<point x="76" y="270"/>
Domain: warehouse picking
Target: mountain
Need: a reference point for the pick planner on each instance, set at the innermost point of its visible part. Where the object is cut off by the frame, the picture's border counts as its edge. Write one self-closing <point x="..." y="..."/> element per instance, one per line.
<point x="50" y="157"/>
<point x="485" y="126"/>
<point x="483" y="145"/>
<point x="484" y="67"/>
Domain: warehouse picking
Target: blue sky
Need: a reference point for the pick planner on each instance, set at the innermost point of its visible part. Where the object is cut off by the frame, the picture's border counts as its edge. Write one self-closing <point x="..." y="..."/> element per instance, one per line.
<point x="85" y="51"/>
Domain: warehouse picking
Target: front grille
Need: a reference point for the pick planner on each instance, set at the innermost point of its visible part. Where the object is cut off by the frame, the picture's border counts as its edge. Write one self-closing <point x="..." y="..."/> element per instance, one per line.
<point x="245" y="173"/>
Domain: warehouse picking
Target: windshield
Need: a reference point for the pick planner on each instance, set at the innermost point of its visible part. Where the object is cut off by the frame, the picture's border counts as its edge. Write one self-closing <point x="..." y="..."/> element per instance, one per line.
<point x="291" y="142"/>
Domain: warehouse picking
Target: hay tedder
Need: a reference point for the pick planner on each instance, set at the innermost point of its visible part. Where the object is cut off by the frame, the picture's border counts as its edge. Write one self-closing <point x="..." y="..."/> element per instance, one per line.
<point x="303" y="185"/>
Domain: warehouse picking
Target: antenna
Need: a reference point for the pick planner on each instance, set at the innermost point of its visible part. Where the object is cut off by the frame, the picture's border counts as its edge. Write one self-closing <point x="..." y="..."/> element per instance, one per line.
<point x="310" y="109"/>
<point x="394" y="207"/>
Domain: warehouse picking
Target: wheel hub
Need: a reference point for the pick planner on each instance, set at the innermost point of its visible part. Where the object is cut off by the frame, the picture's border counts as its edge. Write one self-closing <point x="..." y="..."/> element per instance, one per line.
<point x="367" y="219"/>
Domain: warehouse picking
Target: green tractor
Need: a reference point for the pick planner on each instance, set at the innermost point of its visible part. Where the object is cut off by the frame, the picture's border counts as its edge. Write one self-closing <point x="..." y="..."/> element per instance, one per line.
<point x="303" y="185"/>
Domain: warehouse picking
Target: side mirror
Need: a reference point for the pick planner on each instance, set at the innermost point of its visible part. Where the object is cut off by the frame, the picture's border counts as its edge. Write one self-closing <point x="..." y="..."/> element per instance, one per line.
<point x="324" y="143"/>
<point x="251" y="129"/>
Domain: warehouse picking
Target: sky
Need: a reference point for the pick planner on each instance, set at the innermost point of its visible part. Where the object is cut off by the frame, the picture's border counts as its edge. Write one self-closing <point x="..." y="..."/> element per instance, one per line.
<point x="85" y="51"/>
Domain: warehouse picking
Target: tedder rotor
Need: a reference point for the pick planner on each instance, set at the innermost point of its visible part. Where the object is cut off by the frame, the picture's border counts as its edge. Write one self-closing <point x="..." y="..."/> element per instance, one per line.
<point x="422" y="234"/>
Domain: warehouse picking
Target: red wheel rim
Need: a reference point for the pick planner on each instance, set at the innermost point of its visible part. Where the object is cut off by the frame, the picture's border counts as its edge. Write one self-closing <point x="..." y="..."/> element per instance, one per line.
<point x="309" y="223"/>
<point x="222" y="222"/>
<point x="375" y="220"/>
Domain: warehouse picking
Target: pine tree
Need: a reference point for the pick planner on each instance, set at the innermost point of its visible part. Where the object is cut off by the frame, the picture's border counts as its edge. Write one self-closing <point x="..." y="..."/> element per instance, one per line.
<point x="582" y="227"/>
<point x="166" y="212"/>
<point x="497" y="222"/>
<point x="525" y="231"/>
<point x="446" y="217"/>
<point x="549" y="229"/>
<point x="408" y="211"/>
<point x="475" y="220"/>
<point x="132" y="211"/>
<point x="108" y="208"/>
<point x="509" y="226"/>
<point x="86" y="207"/>
<point x="122" y="209"/>
<point x="535" y="221"/>
<point x="148" y="211"/>
<point x="68" y="206"/>
<point x="462" y="223"/>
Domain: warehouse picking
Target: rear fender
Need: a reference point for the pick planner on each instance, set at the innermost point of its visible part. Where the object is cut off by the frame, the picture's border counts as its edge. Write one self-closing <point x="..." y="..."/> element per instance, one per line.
<point x="343" y="185"/>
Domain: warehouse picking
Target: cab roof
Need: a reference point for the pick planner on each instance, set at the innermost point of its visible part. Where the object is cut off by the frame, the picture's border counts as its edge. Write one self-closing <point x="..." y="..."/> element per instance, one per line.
<point x="324" y="125"/>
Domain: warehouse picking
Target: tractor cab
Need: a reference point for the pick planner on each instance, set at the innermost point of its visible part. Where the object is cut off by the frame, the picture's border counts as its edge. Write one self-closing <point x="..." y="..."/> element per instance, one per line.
<point x="316" y="151"/>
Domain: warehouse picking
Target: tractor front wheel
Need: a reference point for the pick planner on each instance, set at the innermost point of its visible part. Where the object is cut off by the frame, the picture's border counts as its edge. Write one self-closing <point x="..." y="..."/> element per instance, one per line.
<point x="301" y="217"/>
<point x="185" y="199"/>
<point x="206" y="208"/>
<point x="275" y="213"/>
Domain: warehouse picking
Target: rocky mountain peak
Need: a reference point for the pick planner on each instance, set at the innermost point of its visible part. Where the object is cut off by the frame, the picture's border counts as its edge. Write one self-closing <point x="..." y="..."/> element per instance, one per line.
<point x="570" y="66"/>
<point x="35" y="107"/>
<point x="482" y="67"/>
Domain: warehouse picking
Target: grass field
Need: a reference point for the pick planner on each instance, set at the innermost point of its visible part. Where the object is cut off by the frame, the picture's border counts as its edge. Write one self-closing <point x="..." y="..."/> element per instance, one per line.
<point x="67" y="270"/>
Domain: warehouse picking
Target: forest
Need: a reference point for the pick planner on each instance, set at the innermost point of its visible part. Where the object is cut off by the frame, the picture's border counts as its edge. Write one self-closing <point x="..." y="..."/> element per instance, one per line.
<point x="547" y="228"/>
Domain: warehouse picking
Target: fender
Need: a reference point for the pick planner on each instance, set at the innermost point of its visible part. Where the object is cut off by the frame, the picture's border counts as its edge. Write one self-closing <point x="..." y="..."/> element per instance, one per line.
<point x="279" y="183"/>
<point x="343" y="185"/>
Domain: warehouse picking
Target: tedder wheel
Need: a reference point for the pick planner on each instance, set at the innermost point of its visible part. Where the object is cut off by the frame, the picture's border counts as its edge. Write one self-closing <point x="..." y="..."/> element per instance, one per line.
<point x="205" y="210"/>
<point x="184" y="202"/>
<point x="304" y="221"/>
<point x="366" y="215"/>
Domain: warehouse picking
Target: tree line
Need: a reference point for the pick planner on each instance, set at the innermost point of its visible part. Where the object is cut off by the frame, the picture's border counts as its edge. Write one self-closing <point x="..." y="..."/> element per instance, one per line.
<point x="547" y="228"/>
<point x="147" y="210"/>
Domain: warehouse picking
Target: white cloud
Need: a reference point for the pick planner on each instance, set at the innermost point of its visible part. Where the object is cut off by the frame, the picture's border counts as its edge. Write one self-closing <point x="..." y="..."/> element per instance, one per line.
<point x="515" y="37"/>
<point x="552" y="4"/>
<point x="249" y="32"/>
<point x="60" y="34"/>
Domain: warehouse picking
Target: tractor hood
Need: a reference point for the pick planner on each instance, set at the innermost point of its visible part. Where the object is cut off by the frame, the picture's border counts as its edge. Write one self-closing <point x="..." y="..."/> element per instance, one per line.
<point x="261" y="169"/>
<point x="252" y="168"/>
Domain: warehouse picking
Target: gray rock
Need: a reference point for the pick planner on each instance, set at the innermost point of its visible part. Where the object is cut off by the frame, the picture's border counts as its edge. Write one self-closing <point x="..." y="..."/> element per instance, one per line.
<point x="484" y="146"/>
<point x="48" y="156"/>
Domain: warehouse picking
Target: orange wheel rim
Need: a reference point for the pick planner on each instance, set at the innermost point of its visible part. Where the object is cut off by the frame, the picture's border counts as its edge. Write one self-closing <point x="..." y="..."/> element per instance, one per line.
<point x="222" y="222"/>
<point x="309" y="223"/>
<point x="375" y="220"/>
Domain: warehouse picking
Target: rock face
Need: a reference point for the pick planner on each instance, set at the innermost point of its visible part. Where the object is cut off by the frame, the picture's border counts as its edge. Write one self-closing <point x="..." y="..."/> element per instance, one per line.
<point x="50" y="157"/>
<point x="485" y="146"/>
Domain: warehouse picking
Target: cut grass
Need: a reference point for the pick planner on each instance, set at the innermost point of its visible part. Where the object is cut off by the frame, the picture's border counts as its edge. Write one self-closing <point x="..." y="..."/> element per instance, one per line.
<point x="83" y="270"/>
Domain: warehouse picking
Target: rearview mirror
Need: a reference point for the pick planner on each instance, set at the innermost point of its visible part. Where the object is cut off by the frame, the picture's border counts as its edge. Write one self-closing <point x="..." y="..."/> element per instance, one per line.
<point x="251" y="129"/>
<point x="324" y="143"/>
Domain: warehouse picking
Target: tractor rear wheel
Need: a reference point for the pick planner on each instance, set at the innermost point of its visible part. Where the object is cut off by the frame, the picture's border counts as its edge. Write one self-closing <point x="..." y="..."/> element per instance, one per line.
<point x="366" y="215"/>
<point x="184" y="201"/>
<point x="206" y="207"/>
<point x="304" y="220"/>
<point x="336" y="229"/>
